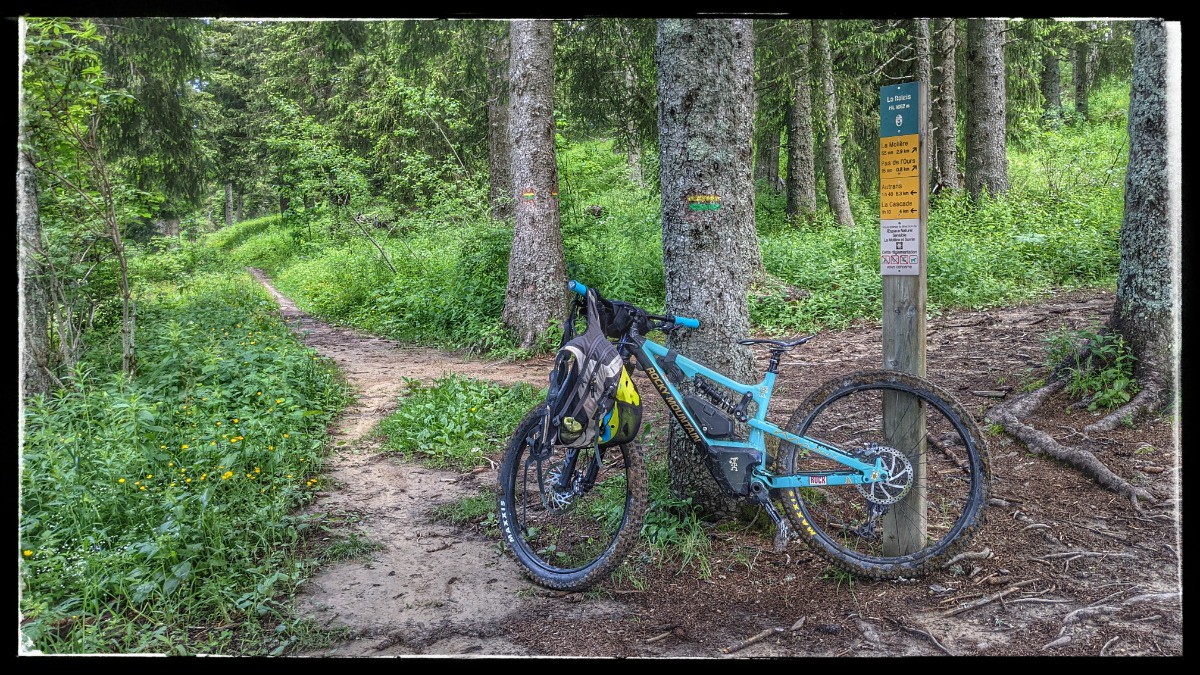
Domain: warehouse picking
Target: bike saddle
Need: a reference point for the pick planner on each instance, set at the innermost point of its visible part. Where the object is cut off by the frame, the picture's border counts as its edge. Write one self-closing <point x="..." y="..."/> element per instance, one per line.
<point x="778" y="344"/>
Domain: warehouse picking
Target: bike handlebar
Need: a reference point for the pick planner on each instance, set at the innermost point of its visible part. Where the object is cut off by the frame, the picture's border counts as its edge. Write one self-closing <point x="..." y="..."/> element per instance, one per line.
<point x="686" y="322"/>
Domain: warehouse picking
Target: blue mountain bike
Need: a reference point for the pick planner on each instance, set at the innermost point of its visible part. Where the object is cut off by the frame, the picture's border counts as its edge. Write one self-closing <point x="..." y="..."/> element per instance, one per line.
<point x="882" y="473"/>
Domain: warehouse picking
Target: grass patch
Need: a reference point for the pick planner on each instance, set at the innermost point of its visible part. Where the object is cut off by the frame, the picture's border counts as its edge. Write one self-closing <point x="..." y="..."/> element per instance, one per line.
<point x="457" y="421"/>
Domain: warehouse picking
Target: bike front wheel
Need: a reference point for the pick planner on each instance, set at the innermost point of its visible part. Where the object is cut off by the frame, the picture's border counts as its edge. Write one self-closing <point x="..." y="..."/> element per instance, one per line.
<point x="935" y="452"/>
<point x="568" y="516"/>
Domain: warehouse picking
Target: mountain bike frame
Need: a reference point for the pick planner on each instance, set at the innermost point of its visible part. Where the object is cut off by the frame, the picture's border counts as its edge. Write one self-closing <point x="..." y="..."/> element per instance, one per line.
<point x="735" y="455"/>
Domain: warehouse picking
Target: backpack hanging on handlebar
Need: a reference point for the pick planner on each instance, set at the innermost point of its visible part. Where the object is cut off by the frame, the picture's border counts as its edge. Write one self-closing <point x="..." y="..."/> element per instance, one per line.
<point x="591" y="399"/>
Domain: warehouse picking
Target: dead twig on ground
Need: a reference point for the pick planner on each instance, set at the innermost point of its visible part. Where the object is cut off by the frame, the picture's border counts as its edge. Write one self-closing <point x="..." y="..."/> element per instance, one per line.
<point x="922" y="633"/>
<point x="1104" y="649"/>
<point x="1083" y="554"/>
<point x="664" y="635"/>
<point x="988" y="598"/>
<point x="751" y="640"/>
<point x="969" y="555"/>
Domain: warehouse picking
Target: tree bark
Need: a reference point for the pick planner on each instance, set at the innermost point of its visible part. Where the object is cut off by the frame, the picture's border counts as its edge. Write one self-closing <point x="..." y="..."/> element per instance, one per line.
<point x="945" y="112"/>
<point x="924" y="60"/>
<point x="923" y="42"/>
<point x="31" y="291"/>
<point x="766" y="156"/>
<point x="1146" y="305"/>
<point x="633" y="142"/>
<point x="240" y="200"/>
<point x="499" y="150"/>
<point x="835" y="174"/>
<point x="1051" y="86"/>
<point x="801" y="176"/>
<point x="536" y="294"/>
<point x="987" y="162"/>
<point x="1082" y="70"/>
<point x="710" y="248"/>
<point x="228" y="203"/>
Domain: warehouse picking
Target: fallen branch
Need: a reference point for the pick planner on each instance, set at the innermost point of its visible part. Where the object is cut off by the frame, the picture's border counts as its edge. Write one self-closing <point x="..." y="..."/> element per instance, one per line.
<point x="751" y="640"/>
<point x="988" y="598"/>
<point x="1009" y="415"/>
<point x="1104" y="649"/>
<point x="922" y="633"/>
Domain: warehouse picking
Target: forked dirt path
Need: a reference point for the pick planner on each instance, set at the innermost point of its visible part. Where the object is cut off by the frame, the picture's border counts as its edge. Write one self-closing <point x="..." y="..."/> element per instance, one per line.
<point x="1065" y="568"/>
<point x="429" y="591"/>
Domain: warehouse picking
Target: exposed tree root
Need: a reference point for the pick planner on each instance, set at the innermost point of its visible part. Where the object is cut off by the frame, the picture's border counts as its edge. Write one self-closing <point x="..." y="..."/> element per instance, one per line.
<point x="1009" y="416"/>
<point x="1146" y="400"/>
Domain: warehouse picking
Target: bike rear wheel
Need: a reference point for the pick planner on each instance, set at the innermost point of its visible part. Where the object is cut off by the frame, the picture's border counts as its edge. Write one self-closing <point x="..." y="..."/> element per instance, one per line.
<point x="569" y="534"/>
<point x="898" y="528"/>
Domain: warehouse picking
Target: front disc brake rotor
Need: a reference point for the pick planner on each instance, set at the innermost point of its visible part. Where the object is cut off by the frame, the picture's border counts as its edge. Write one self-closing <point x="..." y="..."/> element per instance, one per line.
<point x="900" y="475"/>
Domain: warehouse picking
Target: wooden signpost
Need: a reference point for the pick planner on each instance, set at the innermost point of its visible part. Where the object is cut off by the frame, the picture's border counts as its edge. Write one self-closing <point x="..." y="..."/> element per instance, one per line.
<point x="903" y="209"/>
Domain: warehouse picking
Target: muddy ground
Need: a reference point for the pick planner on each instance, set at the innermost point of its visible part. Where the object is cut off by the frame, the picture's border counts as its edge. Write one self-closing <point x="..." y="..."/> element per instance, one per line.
<point x="1066" y="568"/>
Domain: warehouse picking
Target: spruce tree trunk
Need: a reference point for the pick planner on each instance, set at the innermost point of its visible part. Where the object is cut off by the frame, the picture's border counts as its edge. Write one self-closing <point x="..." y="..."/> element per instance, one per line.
<point x="499" y="150"/>
<point x="240" y="200"/>
<point x="1145" y="306"/>
<point x="536" y="296"/>
<point x="801" y="177"/>
<point x="945" y="112"/>
<point x="835" y="175"/>
<point x="228" y="203"/>
<point x="633" y="143"/>
<point x="766" y="160"/>
<point x="1051" y="85"/>
<point x="32" y="296"/>
<point x="924" y="59"/>
<point x="1085" y="51"/>
<point x="710" y="255"/>
<point x="987" y="163"/>
<point x="924" y="48"/>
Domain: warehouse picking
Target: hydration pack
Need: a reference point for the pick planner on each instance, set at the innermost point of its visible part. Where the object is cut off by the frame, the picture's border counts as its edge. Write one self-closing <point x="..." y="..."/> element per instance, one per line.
<point x="591" y="399"/>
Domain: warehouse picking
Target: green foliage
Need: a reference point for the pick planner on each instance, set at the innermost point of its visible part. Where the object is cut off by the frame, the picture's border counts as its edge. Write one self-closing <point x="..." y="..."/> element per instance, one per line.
<point x="1097" y="364"/>
<point x="457" y="421"/>
<point x="671" y="528"/>
<point x="169" y="499"/>
<point x="479" y="508"/>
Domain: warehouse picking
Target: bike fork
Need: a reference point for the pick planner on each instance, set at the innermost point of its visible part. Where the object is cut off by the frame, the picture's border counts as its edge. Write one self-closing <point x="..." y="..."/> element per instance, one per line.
<point x="783" y="531"/>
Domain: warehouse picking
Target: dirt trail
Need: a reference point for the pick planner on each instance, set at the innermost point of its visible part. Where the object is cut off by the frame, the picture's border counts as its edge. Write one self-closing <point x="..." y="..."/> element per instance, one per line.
<point x="442" y="590"/>
<point x="432" y="590"/>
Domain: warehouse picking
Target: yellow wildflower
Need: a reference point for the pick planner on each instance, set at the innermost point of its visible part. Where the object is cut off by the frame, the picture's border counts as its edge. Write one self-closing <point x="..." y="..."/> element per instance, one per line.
<point x="185" y="446"/>
<point x="142" y="488"/>
<point x="149" y="476"/>
<point x="227" y="474"/>
<point x="122" y="480"/>
<point x="27" y="553"/>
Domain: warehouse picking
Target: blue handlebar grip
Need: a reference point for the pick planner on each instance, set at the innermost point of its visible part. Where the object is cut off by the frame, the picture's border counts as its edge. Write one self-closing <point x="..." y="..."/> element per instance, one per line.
<point x="577" y="287"/>
<point x="686" y="322"/>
